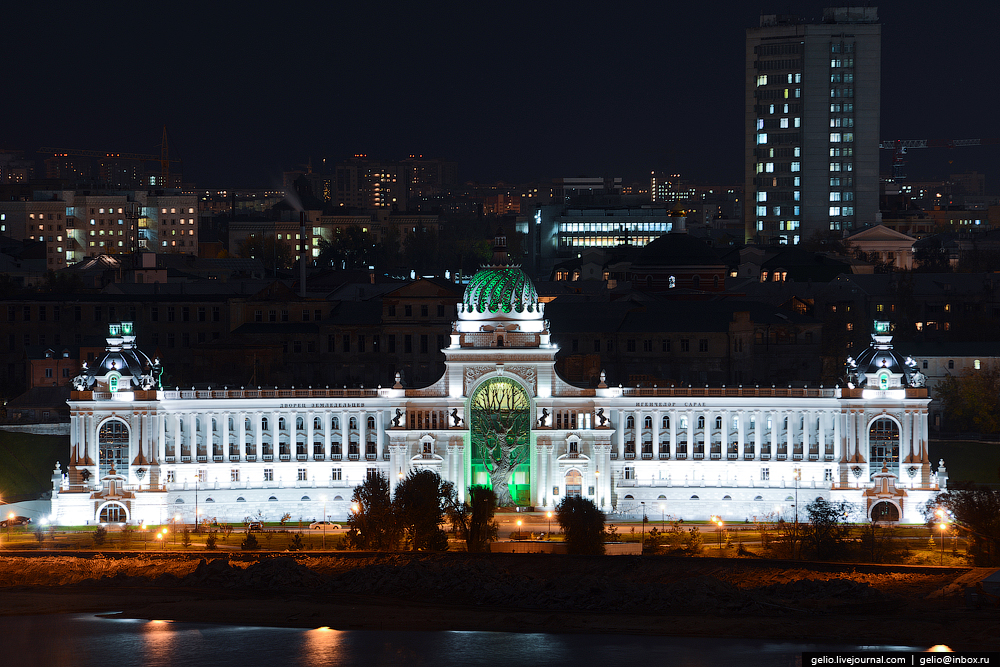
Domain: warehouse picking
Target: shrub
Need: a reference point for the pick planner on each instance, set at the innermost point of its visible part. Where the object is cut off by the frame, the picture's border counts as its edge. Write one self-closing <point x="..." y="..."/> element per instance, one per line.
<point x="100" y="535"/>
<point x="211" y="541"/>
<point x="250" y="543"/>
<point x="583" y="524"/>
<point x="296" y="543"/>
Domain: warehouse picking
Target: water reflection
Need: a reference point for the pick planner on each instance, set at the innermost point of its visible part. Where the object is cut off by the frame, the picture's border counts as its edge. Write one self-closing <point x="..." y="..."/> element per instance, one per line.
<point x="85" y="640"/>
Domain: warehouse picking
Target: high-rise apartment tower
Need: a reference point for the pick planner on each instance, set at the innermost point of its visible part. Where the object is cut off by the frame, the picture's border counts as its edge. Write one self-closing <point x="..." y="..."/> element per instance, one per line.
<point x="812" y="125"/>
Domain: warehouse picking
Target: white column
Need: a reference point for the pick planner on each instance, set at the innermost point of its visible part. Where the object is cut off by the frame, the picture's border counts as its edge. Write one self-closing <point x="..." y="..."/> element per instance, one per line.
<point x="326" y="435"/>
<point x="673" y="434"/>
<point x="656" y="435"/>
<point x="380" y="437"/>
<point x="690" y="436"/>
<point x="345" y="437"/>
<point x="621" y="435"/>
<point x="758" y="433"/>
<point x="362" y="436"/>
<point x="775" y="425"/>
<point x="838" y="446"/>
<point x="241" y="435"/>
<point x="740" y="435"/>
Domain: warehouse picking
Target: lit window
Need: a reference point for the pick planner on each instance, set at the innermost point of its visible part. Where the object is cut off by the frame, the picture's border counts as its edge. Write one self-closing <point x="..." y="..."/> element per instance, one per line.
<point x="762" y="137"/>
<point x="783" y="123"/>
<point x="976" y="364"/>
<point x="835" y="137"/>
<point x="834" y="196"/>
<point x="761" y="196"/>
<point x="796" y="166"/>
<point x="834" y="210"/>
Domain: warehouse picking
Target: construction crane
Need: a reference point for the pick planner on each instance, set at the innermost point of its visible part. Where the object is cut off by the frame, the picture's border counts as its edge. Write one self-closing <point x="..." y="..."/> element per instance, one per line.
<point x="900" y="146"/>
<point x="163" y="158"/>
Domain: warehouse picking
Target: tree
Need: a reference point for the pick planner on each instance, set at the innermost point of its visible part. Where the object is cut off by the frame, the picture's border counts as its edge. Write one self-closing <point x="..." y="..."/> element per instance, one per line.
<point x="296" y="543"/>
<point x="273" y="253"/>
<point x="373" y="523"/>
<point x="419" y="504"/>
<point x="100" y="535"/>
<point x="976" y="510"/>
<point x="824" y="537"/>
<point x="473" y="518"/>
<point x="970" y="400"/>
<point x="350" y="248"/>
<point x="500" y="422"/>
<point x="284" y="519"/>
<point x="250" y="543"/>
<point x="211" y="541"/>
<point x="583" y="524"/>
<point x="186" y="537"/>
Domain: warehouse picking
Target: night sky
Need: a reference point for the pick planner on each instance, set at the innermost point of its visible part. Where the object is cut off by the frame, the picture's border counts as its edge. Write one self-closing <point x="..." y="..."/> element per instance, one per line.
<point x="511" y="91"/>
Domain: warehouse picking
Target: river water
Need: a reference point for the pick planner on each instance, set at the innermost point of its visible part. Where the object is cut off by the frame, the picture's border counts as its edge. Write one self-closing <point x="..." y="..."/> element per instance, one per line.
<point x="85" y="640"/>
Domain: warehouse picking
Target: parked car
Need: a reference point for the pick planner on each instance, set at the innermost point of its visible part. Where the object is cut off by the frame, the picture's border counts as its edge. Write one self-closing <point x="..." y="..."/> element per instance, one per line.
<point x="254" y="525"/>
<point x="16" y="521"/>
<point x="318" y="525"/>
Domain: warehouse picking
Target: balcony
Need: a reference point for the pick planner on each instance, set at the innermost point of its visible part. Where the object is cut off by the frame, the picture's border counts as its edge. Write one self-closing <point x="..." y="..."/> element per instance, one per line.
<point x="169" y="459"/>
<point x="370" y="457"/>
<point x="185" y="459"/>
<point x="699" y="455"/>
<point x="814" y="457"/>
<point x="217" y="458"/>
<point x="682" y="456"/>
<point x="664" y="456"/>
<point x="318" y="457"/>
<point x="251" y="458"/>
<point x="385" y="455"/>
<point x="335" y="457"/>
<point x="266" y="457"/>
<point x="797" y="456"/>
<point x="716" y="456"/>
<point x="748" y="456"/>
<point x="301" y="457"/>
<point x="828" y="457"/>
<point x="647" y="456"/>
<point x="202" y="458"/>
<point x="629" y="455"/>
<point x="614" y="456"/>
<point x="284" y="457"/>
<point x="352" y="457"/>
<point x="765" y="457"/>
<point x="733" y="456"/>
<point x="782" y="457"/>
<point x="234" y="458"/>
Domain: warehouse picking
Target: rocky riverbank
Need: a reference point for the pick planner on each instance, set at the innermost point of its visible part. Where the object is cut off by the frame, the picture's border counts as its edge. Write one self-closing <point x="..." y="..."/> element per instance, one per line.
<point x="517" y="592"/>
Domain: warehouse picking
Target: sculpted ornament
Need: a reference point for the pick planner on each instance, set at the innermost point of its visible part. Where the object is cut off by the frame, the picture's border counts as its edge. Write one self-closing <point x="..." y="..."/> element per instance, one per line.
<point x="527" y="373"/>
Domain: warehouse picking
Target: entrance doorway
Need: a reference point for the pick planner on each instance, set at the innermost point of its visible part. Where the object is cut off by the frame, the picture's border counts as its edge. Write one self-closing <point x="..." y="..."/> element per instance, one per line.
<point x="574" y="484"/>
<point x="885" y="511"/>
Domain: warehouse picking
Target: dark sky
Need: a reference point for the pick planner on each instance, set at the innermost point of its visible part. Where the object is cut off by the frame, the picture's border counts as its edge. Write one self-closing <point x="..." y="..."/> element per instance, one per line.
<point x="512" y="91"/>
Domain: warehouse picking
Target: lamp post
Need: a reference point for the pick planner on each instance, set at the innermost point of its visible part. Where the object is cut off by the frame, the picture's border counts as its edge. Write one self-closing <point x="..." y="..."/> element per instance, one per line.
<point x="548" y="535"/>
<point x="720" y="523"/>
<point x="177" y="517"/>
<point x="943" y="526"/>
<point x="518" y="529"/>
<point x="643" y="542"/>
<point x="797" y="473"/>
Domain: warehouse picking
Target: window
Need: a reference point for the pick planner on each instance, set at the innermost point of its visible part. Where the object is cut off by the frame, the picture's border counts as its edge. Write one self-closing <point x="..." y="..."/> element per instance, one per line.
<point x="336" y="474"/>
<point x="828" y="474"/>
<point x="703" y="345"/>
<point x="408" y="343"/>
<point x="629" y="472"/>
<point x="765" y="474"/>
<point x="302" y="477"/>
<point x="685" y="345"/>
<point x="345" y="343"/>
<point x="268" y="474"/>
<point x="951" y="363"/>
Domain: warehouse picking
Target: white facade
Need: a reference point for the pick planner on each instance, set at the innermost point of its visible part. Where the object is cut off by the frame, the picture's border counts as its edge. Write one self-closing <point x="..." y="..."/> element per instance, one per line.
<point x="738" y="452"/>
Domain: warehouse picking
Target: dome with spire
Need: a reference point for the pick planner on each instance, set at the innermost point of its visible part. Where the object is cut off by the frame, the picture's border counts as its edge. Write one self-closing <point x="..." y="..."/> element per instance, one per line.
<point x="500" y="289"/>
<point x="123" y="366"/>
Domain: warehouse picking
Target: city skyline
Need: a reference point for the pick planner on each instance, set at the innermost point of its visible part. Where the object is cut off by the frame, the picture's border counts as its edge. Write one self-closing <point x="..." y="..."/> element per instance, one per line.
<point x="516" y="95"/>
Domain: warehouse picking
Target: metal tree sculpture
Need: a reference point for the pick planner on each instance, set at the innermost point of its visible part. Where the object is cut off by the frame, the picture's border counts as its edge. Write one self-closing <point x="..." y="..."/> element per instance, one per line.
<point x="501" y="410"/>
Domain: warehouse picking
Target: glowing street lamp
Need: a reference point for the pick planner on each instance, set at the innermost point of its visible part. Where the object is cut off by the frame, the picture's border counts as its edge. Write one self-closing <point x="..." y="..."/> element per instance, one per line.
<point x="519" y="529"/>
<point x="10" y="520"/>
<point x="548" y="535"/>
<point x="943" y="526"/>
<point x="717" y="520"/>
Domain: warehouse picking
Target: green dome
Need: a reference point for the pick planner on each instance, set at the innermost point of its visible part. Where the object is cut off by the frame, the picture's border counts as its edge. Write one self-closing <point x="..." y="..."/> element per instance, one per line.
<point x="500" y="289"/>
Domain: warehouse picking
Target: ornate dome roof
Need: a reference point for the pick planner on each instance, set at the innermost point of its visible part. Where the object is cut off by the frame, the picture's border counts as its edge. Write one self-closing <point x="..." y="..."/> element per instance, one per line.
<point x="122" y="358"/>
<point x="880" y="358"/>
<point x="500" y="289"/>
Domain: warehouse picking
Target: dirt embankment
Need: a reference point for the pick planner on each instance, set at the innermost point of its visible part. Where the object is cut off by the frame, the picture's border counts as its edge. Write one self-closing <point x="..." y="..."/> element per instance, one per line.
<point x="515" y="592"/>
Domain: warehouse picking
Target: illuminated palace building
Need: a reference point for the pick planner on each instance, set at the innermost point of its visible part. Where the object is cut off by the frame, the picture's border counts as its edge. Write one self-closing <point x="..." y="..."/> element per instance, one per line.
<point x="500" y="415"/>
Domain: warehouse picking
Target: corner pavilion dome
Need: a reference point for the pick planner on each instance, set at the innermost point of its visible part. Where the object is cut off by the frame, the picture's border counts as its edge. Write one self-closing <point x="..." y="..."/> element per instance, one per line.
<point x="500" y="288"/>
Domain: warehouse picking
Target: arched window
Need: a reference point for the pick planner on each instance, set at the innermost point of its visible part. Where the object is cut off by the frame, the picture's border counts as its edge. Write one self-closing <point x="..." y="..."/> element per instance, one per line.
<point x="371" y="423"/>
<point x="718" y="422"/>
<point x="666" y="421"/>
<point x="647" y="422"/>
<point x="701" y="422"/>
<point x="758" y="498"/>
<point x="684" y="423"/>
<point x="695" y="498"/>
<point x="883" y="440"/>
<point x="272" y="499"/>
<point x="727" y="497"/>
<point x="696" y="282"/>
<point x="209" y="500"/>
<point x="671" y="282"/>
<point x="112" y="447"/>
<point x="281" y="423"/>
<point x="299" y="423"/>
<point x="232" y="425"/>
<point x="649" y="282"/>
<point x="263" y="424"/>
<point x="630" y="422"/>
<point x="354" y="423"/>
<point x="785" y="423"/>
<point x="246" y="424"/>
<point x="114" y="513"/>
<point x="335" y="423"/>
<point x="317" y="423"/>
<point x="241" y="499"/>
<point x="715" y="282"/>
<point x="304" y="499"/>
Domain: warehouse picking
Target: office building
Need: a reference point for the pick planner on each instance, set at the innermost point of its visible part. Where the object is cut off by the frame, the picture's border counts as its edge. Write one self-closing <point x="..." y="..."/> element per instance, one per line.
<point x="812" y="125"/>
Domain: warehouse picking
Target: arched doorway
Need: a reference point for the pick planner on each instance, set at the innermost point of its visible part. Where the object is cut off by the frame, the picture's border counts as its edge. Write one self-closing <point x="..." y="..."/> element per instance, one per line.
<point x="883" y="443"/>
<point x="501" y="431"/>
<point x="884" y="511"/>
<point x="112" y="447"/>
<point x="574" y="484"/>
<point x="113" y="513"/>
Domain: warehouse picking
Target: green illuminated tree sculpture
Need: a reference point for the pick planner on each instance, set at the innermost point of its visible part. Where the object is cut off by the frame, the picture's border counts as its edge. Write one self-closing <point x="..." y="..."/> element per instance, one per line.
<point x="500" y="424"/>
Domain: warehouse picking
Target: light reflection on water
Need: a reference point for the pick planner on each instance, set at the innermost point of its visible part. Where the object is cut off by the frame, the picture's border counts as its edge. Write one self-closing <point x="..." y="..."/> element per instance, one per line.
<point x="85" y="640"/>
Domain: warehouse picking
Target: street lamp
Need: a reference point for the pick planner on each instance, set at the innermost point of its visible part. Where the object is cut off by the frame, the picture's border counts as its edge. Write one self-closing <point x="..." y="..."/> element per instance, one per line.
<point x="943" y="526"/>
<point x="548" y="535"/>
<point x="797" y="473"/>
<point x="720" y="523"/>
<point x="518" y="529"/>
<point x="10" y="520"/>
<point x="643" y="542"/>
